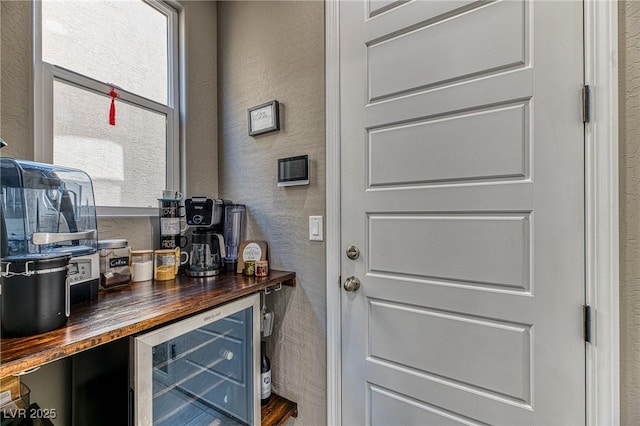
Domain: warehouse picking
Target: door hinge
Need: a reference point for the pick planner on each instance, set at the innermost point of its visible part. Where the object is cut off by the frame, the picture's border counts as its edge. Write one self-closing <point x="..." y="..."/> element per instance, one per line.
<point x="587" y="323"/>
<point x="586" y="104"/>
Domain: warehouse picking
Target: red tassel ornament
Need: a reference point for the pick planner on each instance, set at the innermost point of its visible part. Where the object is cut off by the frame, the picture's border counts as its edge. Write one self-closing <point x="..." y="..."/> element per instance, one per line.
<point x="112" y="110"/>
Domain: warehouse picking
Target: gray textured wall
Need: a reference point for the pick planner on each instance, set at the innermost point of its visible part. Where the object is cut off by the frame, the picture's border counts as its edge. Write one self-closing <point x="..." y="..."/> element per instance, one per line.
<point x="202" y="107"/>
<point x="16" y="104"/>
<point x="266" y="51"/>
<point x="629" y="127"/>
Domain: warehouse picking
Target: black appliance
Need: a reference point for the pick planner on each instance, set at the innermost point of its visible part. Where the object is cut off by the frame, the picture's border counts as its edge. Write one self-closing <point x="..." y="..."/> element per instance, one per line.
<point x="206" y="215"/>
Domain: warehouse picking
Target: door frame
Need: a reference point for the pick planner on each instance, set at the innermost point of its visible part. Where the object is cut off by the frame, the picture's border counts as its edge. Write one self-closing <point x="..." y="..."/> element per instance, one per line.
<point x="601" y="212"/>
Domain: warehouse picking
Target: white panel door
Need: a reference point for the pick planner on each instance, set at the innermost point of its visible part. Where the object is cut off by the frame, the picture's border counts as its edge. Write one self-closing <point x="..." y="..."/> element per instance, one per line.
<point x="463" y="188"/>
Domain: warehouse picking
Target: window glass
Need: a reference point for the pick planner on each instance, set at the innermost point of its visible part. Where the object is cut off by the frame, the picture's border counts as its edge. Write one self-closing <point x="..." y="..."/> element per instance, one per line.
<point x="126" y="162"/>
<point x="117" y="42"/>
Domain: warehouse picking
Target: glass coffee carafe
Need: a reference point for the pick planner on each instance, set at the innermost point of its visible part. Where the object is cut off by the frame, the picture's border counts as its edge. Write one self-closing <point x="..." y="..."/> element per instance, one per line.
<point x="207" y="252"/>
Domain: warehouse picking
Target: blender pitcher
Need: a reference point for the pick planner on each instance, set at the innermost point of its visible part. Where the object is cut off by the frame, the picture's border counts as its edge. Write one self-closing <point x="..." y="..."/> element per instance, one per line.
<point x="233" y="221"/>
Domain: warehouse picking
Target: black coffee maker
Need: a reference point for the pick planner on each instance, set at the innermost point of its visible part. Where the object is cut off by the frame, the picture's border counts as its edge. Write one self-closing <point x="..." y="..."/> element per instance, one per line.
<point x="206" y="215"/>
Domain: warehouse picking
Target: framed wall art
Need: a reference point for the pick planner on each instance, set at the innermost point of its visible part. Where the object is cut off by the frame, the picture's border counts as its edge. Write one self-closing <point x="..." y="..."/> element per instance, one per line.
<point x="264" y="118"/>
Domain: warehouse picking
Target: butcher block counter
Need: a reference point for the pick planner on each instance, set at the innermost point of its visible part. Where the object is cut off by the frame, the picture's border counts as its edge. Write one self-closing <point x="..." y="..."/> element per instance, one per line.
<point x="130" y="310"/>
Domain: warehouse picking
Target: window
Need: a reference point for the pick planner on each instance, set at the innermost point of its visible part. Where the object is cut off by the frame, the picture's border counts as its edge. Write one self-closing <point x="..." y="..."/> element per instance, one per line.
<point x="86" y="49"/>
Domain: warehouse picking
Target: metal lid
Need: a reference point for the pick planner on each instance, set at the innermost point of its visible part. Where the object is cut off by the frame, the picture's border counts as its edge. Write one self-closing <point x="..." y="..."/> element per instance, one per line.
<point x="36" y="261"/>
<point x="112" y="244"/>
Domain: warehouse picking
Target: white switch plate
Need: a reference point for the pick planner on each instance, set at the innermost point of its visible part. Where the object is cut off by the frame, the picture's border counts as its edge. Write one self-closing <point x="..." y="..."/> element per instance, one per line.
<point x="316" y="231"/>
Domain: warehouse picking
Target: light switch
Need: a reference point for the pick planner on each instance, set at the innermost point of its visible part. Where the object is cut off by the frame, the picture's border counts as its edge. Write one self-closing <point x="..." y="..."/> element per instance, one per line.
<point x="315" y="228"/>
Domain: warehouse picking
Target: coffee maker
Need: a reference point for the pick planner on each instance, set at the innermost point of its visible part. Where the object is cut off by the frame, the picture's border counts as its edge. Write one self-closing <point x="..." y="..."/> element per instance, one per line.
<point x="206" y="215"/>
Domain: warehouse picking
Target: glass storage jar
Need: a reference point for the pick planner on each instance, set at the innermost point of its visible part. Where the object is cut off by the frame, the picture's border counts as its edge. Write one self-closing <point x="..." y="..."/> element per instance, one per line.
<point x="114" y="263"/>
<point x="141" y="265"/>
<point x="166" y="263"/>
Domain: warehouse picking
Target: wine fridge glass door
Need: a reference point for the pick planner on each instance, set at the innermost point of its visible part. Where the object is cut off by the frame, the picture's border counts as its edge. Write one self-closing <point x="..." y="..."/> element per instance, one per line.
<point x="201" y="370"/>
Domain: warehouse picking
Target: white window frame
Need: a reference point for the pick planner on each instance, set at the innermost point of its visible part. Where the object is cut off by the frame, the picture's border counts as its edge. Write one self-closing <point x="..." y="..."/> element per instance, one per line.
<point x="45" y="74"/>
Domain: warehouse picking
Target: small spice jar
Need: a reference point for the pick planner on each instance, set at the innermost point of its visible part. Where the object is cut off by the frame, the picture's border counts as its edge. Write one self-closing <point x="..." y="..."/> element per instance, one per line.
<point x="141" y="265"/>
<point x="249" y="267"/>
<point x="262" y="268"/>
<point x="114" y="263"/>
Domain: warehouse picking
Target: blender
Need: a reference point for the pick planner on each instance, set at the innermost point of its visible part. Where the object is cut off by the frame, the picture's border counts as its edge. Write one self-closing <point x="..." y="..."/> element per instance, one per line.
<point x="207" y="243"/>
<point x="233" y="221"/>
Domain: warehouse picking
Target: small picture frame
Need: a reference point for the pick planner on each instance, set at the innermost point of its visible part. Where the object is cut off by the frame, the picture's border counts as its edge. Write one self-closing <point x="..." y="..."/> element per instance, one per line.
<point x="264" y="118"/>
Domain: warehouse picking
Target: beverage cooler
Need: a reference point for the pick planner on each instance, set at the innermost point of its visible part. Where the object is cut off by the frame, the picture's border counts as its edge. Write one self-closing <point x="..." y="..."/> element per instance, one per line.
<point x="203" y="370"/>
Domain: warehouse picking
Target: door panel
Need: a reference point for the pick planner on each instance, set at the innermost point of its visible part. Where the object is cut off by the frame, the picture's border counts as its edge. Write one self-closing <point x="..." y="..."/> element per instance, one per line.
<point x="390" y="408"/>
<point x="463" y="186"/>
<point x="488" y="250"/>
<point x="489" y="144"/>
<point x="488" y="355"/>
<point x="431" y="53"/>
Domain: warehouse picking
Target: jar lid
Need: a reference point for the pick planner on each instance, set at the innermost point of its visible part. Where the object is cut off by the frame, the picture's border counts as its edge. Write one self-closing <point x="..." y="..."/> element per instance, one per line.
<point x="139" y="252"/>
<point x="165" y="251"/>
<point x="112" y="244"/>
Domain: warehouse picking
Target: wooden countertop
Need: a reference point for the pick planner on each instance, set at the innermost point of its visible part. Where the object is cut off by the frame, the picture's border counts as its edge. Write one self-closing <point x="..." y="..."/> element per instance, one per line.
<point x="129" y="310"/>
